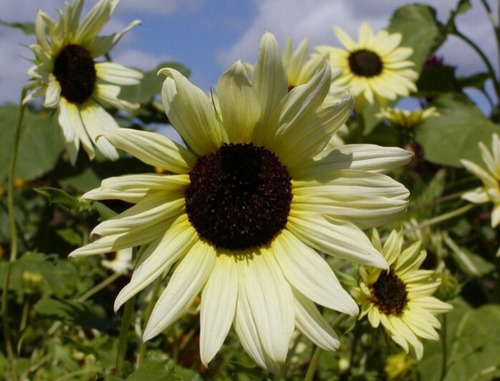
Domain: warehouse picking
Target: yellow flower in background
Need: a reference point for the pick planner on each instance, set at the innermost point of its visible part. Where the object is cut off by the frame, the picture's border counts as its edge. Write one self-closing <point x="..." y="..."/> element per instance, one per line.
<point x="67" y="75"/>
<point x="376" y="68"/>
<point x="406" y="118"/>
<point x="300" y="68"/>
<point x="401" y="298"/>
<point x="397" y="366"/>
<point x="490" y="191"/>
<point x="246" y="205"/>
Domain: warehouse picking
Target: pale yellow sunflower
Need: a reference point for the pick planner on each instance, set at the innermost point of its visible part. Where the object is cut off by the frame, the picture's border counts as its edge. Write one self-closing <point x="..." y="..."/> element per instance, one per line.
<point x="490" y="177"/>
<point x="376" y="68"/>
<point x="66" y="73"/>
<point x="401" y="298"/>
<point x="406" y="118"/>
<point x="242" y="208"/>
<point x="300" y="67"/>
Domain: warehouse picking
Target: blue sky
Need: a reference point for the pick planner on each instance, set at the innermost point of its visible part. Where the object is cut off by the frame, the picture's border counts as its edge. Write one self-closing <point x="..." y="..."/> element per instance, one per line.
<point x="209" y="35"/>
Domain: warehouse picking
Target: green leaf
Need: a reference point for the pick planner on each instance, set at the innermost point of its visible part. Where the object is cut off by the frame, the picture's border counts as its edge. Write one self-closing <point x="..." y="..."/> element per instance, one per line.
<point x="476" y="345"/>
<point x="470" y="263"/>
<point x="40" y="144"/>
<point x="455" y="134"/>
<point x="437" y="79"/>
<point x="60" y="197"/>
<point x="420" y="29"/>
<point x="27" y="28"/>
<point x="150" y="84"/>
<point x="72" y="312"/>
<point x="152" y="370"/>
<point x="476" y="81"/>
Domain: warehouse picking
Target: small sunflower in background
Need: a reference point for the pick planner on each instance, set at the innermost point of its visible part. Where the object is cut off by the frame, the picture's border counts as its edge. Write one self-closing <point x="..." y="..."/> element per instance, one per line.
<point x="401" y="298"/>
<point x="300" y="67"/>
<point x="490" y="177"/>
<point x="376" y="68"/>
<point x="406" y="118"/>
<point x="66" y="74"/>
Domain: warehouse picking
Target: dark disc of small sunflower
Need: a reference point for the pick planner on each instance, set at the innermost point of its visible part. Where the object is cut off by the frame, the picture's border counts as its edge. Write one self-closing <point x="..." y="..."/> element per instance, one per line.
<point x="389" y="293"/>
<point x="365" y="63"/>
<point x="239" y="197"/>
<point x="74" y="69"/>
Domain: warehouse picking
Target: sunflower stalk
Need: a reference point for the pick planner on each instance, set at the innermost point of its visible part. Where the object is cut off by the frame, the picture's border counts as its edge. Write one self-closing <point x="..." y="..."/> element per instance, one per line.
<point x="128" y="313"/>
<point x="313" y="365"/>
<point x="13" y="238"/>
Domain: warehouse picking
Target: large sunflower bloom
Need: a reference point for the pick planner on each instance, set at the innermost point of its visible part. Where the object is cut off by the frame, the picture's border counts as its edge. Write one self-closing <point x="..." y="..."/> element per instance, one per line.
<point x="375" y="67"/>
<point x="401" y="299"/>
<point x="490" y="177"/>
<point x="66" y="73"/>
<point x="246" y="205"/>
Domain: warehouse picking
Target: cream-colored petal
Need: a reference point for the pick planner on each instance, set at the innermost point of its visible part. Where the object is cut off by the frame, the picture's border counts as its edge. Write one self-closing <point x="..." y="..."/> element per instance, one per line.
<point x="153" y="149"/>
<point x="151" y="210"/>
<point x="159" y="257"/>
<point x="52" y="93"/>
<point x="271" y="303"/>
<point x="344" y="38"/>
<point x="191" y="112"/>
<point x="95" y="20"/>
<point x="133" y="188"/>
<point x="476" y="196"/>
<point x="96" y="121"/>
<point x="218" y="306"/>
<point x="367" y="157"/>
<point x="184" y="286"/>
<point x="70" y="118"/>
<point x="117" y="74"/>
<point x="238" y="102"/>
<point x="67" y="118"/>
<point x="102" y="44"/>
<point x="364" y="198"/>
<point x="270" y="82"/>
<point x="313" y="325"/>
<point x="248" y="332"/>
<point x="337" y="238"/>
<point x="112" y="243"/>
<point x="306" y="271"/>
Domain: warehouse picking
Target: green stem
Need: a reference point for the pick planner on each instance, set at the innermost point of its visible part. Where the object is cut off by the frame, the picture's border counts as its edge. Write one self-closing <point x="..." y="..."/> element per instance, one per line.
<point x="442" y="217"/>
<point x="493" y="22"/>
<point x="313" y="365"/>
<point x="122" y="339"/>
<point x="13" y="240"/>
<point x="443" y="349"/>
<point x="85" y="296"/>
<point x="147" y="314"/>
<point x="485" y="59"/>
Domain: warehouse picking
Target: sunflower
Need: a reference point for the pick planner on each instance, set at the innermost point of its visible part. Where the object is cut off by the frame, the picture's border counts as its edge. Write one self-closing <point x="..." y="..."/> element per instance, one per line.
<point x="245" y="206"/>
<point x="300" y="68"/>
<point x="490" y="191"/>
<point x="375" y="68"/>
<point x="406" y="118"/>
<point x="401" y="298"/>
<point x="66" y="73"/>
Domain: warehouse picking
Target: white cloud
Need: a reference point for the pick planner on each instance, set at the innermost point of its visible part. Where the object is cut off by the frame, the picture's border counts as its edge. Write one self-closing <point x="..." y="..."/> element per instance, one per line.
<point x="164" y="7"/>
<point x="314" y="19"/>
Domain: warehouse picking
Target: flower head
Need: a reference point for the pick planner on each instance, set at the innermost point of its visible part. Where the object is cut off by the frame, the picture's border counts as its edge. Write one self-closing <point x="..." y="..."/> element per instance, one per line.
<point x="66" y="73"/>
<point x="119" y="261"/>
<point x="406" y="118"/>
<point x="401" y="298"/>
<point x="490" y="176"/>
<point x="375" y="67"/>
<point x="245" y="206"/>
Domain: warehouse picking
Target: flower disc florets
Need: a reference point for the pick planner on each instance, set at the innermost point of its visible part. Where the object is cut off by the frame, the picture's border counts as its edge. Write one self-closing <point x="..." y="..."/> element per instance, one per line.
<point x="389" y="293"/>
<point x="75" y="71"/>
<point x="365" y="63"/>
<point x="239" y="197"/>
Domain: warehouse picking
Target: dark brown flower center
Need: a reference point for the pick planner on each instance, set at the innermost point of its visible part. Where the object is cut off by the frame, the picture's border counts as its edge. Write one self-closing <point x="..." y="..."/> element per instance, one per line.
<point x="389" y="293"/>
<point x="365" y="63"/>
<point x="74" y="69"/>
<point x="239" y="197"/>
